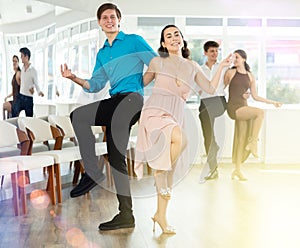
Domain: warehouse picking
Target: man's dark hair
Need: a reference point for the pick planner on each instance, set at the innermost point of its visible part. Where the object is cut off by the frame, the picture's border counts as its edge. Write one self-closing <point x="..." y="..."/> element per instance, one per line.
<point x="209" y="44"/>
<point x="107" y="6"/>
<point x="25" y="51"/>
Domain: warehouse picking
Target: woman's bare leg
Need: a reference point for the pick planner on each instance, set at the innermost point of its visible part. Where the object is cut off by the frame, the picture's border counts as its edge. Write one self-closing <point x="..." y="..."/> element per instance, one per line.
<point x="164" y="181"/>
<point x="178" y="143"/>
<point x="255" y="114"/>
<point x="241" y="139"/>
<point x="257" y="117"/>
<point x="6" y="107"/>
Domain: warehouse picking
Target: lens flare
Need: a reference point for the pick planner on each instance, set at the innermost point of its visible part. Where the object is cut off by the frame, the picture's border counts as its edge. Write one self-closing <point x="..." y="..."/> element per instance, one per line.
<point x="39" y="199"/>
<point x="76" y="238"/>
<point x="52" y="213"/>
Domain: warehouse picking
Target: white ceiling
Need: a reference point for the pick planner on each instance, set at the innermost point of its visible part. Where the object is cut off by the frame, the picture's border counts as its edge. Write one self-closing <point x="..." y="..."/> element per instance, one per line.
<point x="15" y="10"/>
<point x="14" y="17"/>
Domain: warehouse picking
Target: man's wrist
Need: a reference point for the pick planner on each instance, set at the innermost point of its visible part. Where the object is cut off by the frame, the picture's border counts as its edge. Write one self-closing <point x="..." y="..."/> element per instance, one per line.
<point x="85" y="84"/>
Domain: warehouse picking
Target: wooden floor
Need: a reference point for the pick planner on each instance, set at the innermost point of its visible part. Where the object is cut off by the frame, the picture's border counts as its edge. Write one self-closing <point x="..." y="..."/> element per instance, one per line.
<point x="263" y="212"/>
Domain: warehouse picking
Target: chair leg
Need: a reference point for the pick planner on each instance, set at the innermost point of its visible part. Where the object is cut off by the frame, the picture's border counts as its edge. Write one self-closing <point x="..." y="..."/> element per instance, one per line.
<point x="109" y="177"/>
<point x="2" y="181"/>
<point x="78" y="168"/>
<point x="27" y="177"/>
<point x="4" y="114"/>
<point x="132" y="155"/>
<point x="149" y="169"/>
<point x="129" y="164"/>
<point x="22" y="191"/>
<point x="51" y="186"/>
<point x="16" y="201"/>
<point x="58" y="182"/>
<point x="102" y="161"/>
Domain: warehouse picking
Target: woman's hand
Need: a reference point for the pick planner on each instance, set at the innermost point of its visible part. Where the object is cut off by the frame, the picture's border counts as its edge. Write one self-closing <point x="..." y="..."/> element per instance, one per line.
<point x="246" y="95"/>
<point x="277" y="104"/>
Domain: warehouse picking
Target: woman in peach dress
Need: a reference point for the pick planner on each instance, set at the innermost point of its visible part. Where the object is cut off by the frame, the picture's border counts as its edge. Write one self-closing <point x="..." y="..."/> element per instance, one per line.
<point x="160" y="136"/>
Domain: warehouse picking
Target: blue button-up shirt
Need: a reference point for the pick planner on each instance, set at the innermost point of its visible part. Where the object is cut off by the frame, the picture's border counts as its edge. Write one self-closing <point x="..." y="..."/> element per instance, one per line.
<point x="121" y="64"/>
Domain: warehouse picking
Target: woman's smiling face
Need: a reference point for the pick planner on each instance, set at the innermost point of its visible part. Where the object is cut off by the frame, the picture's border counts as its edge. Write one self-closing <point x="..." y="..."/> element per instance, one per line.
<point x="173" y="40"/>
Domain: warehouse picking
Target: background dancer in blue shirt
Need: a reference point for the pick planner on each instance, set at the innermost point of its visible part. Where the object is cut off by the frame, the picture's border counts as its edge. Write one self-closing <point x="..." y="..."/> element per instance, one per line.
<point x="120" y="61"/>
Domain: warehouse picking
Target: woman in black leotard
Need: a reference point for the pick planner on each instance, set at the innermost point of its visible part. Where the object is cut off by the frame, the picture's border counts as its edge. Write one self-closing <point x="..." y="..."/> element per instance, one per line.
<point x="248" y="120"/>
<point x="7" y="106"/>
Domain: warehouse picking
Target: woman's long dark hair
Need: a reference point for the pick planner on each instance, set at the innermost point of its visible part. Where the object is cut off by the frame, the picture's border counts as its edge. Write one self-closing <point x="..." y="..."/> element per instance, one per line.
<point x="16" y="57"/>
<point x="243" y="54"/>
<point x="163" y="51"/>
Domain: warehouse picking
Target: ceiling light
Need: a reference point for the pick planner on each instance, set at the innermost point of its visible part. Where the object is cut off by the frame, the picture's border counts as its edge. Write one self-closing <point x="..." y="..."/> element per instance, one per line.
<point x="29" y="9"/>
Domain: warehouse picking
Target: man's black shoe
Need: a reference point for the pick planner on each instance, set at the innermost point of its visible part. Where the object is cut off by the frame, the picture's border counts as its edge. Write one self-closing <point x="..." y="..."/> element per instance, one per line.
<point x="85" y="185"/>
<point x="118" y="222"/>
<point x="212" y="175"/>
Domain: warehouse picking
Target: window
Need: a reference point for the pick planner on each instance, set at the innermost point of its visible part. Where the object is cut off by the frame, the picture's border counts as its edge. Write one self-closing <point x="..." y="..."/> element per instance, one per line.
<point x="1" y="75"/>
<point x="283" y="66"/>
<point x="272" y="46"/>
<point x="38" y="63"/>
<point x="50" y="76"/>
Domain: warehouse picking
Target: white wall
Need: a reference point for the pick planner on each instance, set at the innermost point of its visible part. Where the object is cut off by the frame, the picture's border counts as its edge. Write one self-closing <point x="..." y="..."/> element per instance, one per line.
<point x="282" y="136"/>
<point x="268" y="8"/>
<point x="279" y="137"/>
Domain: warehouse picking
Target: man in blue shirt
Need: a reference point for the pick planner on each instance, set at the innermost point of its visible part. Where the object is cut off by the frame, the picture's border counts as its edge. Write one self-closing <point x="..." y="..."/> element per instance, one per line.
<point x="120" y="61"/>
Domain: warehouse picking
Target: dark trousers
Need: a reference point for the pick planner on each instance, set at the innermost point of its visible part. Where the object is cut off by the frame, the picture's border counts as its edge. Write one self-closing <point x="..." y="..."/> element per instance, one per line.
<point x="118" y="114"/>
<point x="23" y="103"/>
<point x="210" y="109"/>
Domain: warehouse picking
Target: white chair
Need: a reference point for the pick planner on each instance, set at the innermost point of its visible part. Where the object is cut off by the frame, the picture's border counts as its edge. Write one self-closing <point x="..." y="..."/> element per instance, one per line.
<point x="11" y="135"/>
<point x="68" y="141"/>
<point x="101" y="151"/>
<point x="38" y="131"/>
<point x="11" y="168"/>
<point x="65" y="125"/>
<point x="131" y="153"/>
<point x="15" y="150"/>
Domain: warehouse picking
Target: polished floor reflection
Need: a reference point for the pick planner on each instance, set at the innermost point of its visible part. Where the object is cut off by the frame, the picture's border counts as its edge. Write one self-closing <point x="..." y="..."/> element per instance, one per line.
<point x="262" y="212"/>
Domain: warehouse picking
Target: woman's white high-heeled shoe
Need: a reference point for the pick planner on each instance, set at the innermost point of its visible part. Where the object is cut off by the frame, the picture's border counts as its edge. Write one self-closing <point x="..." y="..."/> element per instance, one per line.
<point x="165" y="229"/>
<point x="252" y="146"/>
<point x="238" y="175"/>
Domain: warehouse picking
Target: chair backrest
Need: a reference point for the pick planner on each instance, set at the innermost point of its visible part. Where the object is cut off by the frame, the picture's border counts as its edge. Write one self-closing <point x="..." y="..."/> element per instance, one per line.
<point x="11" y="136"/>
<point x="13" y="121"/>
<point x="8" y="133"/>
<point x="40" y="131"/>
<point x="63" y="122"/>
<point x="134" y="129"/>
